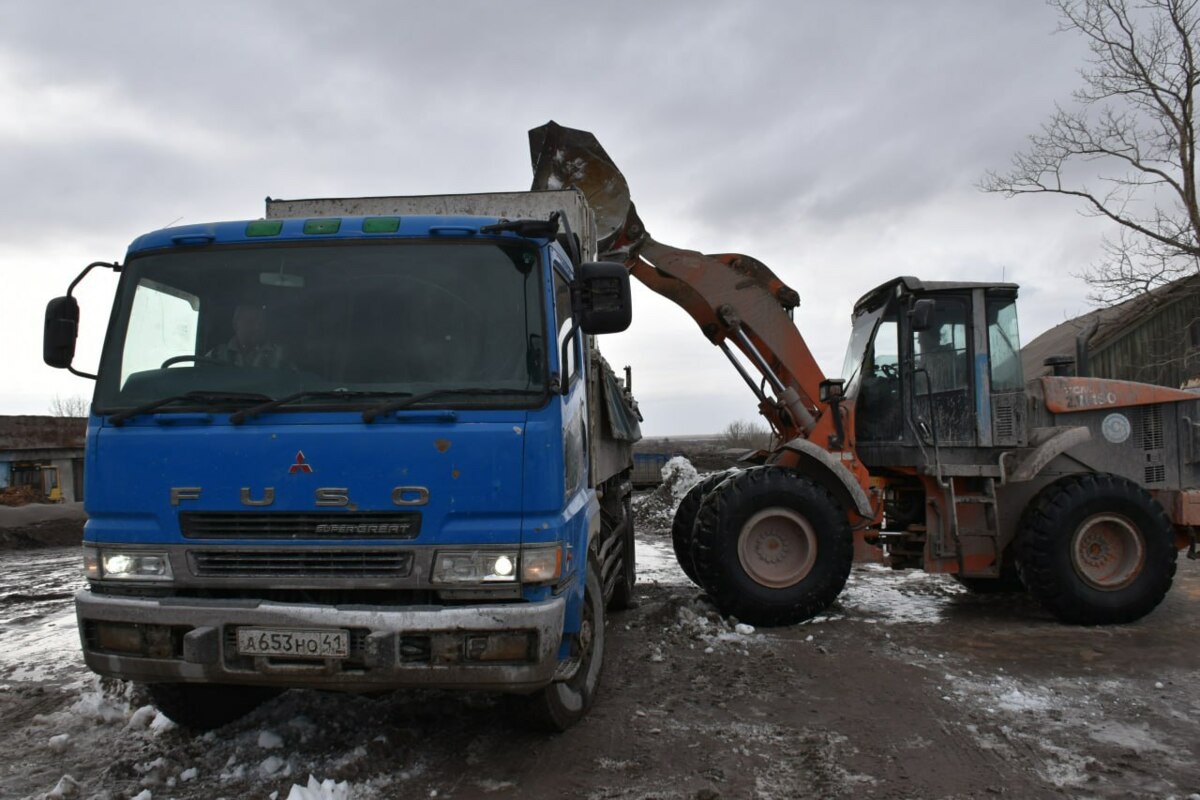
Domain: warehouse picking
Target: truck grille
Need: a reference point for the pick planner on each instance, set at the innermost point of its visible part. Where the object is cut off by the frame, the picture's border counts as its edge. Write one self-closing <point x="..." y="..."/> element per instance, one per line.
<point x="303" y="525"/>
<point x="307" y="563"/>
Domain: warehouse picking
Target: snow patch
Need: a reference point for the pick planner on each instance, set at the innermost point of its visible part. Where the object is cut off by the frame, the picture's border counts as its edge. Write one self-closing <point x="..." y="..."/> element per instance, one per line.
<point x="657" y="508"/>
<point x="66" y="787"/>
<point x="877" y="594"/>
<point x="656" y="564"/>
<point x="270" y="765"/>
<point x="320" y="790"/>
<point x="142" y="718"/>
<point x="269" y="740"/>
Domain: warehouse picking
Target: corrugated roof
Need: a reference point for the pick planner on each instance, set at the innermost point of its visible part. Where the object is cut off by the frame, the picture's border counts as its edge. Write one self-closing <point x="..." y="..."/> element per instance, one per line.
<point x="42" y="433"/>
<point x="1112" y="322"/>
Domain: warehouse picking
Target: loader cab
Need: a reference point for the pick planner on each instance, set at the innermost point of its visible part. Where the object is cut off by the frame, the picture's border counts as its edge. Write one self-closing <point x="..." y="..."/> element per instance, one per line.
<point x="934" y="373"/>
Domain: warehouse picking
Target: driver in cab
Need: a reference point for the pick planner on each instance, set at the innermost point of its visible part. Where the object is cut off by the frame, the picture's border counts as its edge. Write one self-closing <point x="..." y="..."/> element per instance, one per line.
<point x="249" y="346"/>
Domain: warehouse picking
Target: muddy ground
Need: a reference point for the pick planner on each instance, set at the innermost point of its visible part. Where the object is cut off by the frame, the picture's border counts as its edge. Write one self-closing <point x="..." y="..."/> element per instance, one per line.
<point x="40" y="525"/>
<point x="907" y="688"/>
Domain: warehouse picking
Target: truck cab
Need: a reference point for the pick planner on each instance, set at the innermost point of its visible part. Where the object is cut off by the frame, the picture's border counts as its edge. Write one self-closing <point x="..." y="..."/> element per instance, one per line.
<point x="357" y="452"/>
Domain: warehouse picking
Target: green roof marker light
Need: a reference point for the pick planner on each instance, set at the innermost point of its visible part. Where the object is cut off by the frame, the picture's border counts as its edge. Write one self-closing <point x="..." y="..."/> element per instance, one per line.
<point x="322" y="226"/>
<point x="381" y="224"/>
<point x="264" y="227"/>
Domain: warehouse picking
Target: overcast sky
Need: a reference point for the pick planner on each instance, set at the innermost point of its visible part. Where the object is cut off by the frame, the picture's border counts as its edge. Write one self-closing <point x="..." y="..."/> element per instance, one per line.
<point x="840" y="143"/>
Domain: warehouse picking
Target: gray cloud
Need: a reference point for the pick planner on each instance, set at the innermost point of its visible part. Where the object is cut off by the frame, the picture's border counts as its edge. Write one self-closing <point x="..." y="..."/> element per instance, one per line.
<point x="792" y="131"/>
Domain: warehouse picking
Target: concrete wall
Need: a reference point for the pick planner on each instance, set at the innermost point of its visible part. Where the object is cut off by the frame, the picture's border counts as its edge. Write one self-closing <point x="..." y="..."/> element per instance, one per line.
<point x="49" y="441"/>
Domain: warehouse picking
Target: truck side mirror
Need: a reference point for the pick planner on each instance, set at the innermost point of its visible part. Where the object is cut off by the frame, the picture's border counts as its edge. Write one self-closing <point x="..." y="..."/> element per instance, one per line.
<point x="602" y="297"/>
<point x="62" y="328"/>
<point x="921" y="315"/>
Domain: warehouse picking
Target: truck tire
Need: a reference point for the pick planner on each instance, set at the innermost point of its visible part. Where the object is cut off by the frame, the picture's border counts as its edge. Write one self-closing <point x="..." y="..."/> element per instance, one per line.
<point x="1096" y="550"/>
<point x="563" y="703"/>
<point x="204" y="706"/>
<point x="685" y="521"/>
<point x="771" y="547"/>
<point x="622" y="595"/>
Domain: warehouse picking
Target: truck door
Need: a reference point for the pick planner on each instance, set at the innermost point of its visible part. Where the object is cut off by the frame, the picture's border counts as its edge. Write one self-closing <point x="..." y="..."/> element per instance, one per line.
<point x="577" y="511"/>
<point x="574" y="412"/>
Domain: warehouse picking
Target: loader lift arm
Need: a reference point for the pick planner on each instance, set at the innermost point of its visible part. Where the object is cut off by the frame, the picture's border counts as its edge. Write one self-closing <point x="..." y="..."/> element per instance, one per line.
<point x="735" y="299"/>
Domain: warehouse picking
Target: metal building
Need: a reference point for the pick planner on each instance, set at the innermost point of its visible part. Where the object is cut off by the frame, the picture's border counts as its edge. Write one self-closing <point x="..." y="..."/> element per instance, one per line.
<point x="43" y="452"/>
<point x="1153" y="338"/>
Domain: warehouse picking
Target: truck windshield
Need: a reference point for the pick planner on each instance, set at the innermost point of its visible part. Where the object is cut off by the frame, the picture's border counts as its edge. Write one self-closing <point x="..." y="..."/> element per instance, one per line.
<point x="334" y="324"/>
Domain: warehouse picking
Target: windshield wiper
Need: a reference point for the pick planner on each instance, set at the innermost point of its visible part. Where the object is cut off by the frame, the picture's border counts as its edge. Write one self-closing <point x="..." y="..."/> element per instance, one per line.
<point x="202" y="397"/>
<point x="386" y="408"/>
<point x="238" y="417"/>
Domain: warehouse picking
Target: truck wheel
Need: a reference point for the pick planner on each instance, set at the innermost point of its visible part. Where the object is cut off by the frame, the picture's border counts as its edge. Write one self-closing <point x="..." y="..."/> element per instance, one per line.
<point x="622" y="596"/>
<point x="563" y="703"/>
<point x="685" y="521"/>
<point x="1096" y="550"/>
<point x="771" y="547"/>
<point x="204" y="706"/>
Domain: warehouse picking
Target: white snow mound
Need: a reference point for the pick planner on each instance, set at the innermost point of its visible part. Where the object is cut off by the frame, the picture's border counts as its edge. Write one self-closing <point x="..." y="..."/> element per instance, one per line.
<point x="321" y="790"/>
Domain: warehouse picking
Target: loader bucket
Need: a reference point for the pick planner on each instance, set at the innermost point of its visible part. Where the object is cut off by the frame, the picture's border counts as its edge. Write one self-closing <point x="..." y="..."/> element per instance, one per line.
<point x="564" y="158"/>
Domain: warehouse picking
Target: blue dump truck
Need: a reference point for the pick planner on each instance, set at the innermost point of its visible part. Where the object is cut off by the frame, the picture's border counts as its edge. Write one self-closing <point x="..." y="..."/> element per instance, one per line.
<point x="358" y="444"/>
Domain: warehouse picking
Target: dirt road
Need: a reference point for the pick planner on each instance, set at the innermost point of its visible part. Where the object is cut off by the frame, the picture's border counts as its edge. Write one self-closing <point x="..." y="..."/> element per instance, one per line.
<point x="908" y="688"/>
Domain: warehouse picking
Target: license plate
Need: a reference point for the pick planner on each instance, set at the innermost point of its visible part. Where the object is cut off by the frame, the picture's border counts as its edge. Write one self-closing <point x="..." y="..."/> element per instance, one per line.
<point x="293" y="643"/>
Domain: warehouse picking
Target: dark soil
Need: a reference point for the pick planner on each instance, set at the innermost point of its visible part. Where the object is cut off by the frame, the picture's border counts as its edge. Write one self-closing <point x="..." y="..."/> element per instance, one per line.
<point x="41" y="525"/>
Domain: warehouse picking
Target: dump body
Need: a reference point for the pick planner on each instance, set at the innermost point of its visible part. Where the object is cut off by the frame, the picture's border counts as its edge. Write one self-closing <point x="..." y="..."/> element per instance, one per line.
<point x="345" y="450"/>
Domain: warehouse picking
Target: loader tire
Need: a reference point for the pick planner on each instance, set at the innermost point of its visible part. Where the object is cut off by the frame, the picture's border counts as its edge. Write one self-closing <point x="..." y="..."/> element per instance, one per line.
<point x="685" y="521"/>
<point x="563" y="703"/>
<point x="205" y="706"/>
<point x="1096" y="550"/>
<point x="771" y="547"/>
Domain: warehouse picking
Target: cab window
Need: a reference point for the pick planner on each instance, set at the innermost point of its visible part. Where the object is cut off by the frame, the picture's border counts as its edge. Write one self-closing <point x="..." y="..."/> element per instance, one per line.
<point x="941" y="349"/>
<point x="563" y="320"/>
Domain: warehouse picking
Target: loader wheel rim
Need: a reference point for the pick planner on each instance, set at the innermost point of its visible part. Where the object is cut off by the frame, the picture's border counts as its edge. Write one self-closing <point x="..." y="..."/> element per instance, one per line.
<point x="777" y="547"/>
<point x="1107" y="552"/>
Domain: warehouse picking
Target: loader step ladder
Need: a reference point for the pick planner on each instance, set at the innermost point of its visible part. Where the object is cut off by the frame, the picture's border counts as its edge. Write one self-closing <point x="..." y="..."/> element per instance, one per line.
<point x="974" y="539"/>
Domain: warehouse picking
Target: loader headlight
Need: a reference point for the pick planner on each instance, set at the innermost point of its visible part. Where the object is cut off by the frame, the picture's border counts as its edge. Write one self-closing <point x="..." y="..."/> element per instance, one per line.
<point x="130" y="565"/>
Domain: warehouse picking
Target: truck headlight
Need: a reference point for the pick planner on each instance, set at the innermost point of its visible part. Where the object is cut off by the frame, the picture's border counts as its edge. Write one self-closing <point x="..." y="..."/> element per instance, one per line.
<point x="474" y="566"/>
<point x="541" y="564"/>
<point x="129" y="565"/>
<point x="536" y="564"/>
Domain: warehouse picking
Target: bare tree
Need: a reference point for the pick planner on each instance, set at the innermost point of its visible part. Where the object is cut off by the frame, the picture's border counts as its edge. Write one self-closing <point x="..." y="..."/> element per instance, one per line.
<point x="74" y="406"/>
<point x="1126" y="147"/>
<point x="746" y="435"/>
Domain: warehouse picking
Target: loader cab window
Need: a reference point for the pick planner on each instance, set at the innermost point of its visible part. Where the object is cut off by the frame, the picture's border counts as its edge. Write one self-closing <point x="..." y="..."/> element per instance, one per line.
<point x="1004" y="345"/>
<point x="879" y="407"/>
<point x="942" y="374"/>
<point x="941" y="350"/>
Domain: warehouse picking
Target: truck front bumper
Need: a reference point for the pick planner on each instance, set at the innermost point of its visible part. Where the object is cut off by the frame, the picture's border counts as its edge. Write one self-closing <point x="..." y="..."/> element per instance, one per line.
<point x="504" y="646"/>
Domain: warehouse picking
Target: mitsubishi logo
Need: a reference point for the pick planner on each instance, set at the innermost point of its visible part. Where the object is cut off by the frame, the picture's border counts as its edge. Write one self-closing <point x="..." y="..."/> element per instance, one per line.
<point x="301" y="465"/>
